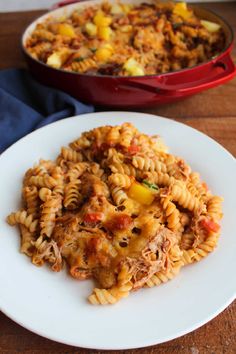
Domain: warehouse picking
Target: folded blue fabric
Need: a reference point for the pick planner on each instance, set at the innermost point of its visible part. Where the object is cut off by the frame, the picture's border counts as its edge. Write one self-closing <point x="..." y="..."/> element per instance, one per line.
<point x="26" y="105"/>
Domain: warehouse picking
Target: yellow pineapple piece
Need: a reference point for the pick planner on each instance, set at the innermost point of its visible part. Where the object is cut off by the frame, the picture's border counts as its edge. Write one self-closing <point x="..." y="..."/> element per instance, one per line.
<point x="66" y="30"/>
<point x="57" y="59"/>
<point x="104" y="53"/>
<point x="101" y="20"/>
<point x="210" y="26"/>
<point x="133" y="67"/>
<point x="108" y="46"/>
<point x="104" y="33"/>
<point x="141" y="194"/>
<point x="91" y="29"/>
<point x="181" y="10"/>
<point x="98" y="17"/>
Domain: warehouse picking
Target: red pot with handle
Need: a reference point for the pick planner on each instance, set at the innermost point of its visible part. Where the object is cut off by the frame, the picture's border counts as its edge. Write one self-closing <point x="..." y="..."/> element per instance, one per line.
<point x="131" y="91"/>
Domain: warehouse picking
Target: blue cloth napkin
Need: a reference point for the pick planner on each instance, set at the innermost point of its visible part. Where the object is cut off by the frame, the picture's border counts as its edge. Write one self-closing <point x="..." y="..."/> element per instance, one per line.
<point x="26" y="105"/>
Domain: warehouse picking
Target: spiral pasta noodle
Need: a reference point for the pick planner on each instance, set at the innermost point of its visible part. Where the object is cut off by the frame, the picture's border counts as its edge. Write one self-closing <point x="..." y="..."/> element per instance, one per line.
<point x="111" y="296"/>
<point x="172" y="214"/>
<point x="118" y="195"/>
<point x="118" y="208"/>
<point x="44" y="35"/>
<point x="49" y="209"/>
<point x="76" y="170"/>
<point x="43" y="181"/>
<point x="83" y="65"/>
<point x="184" y="198"/>
<point x="163" y="277"/>
<point x="27" y="239"/>
<point x="21" y="217"/>
<point x="31" y="200"/>
<point x="214" y="207"/>
<point x="72" y="195"/>
<point x="120" y="180"/>
<point x="71" y="155"/>
<point x="148" y="164"/>
<point x="123" y="168"/>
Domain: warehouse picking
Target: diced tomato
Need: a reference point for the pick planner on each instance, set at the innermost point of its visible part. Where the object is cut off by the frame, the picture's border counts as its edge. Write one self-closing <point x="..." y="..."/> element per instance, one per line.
<point x="133" y="149"/>
<point x="92" y="217"/>
<point x="210" y="225"/>
<point x="123" y="221"/>
<point x="120" y="222"/>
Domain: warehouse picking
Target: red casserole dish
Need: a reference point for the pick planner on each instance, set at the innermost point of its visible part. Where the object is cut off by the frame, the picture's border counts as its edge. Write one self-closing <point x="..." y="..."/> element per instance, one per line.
<point x="139" y="91"/>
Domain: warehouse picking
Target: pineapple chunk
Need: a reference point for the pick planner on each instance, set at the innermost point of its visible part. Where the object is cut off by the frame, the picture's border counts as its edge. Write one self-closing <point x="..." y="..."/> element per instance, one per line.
<point x="66" y="30"/>
<point x="104" y="33"/>
<point x="116" y="9"/>
<point x="91" y="29"/>
<point x="138" y="71"/>
<point x="126" y="28"/>
<point x="108" y="46"/>
<point x="104" y="53"/>
<point x="133" y="67"/>
<point x="141" y="194"/>
<point x="181" y="9"/>
<point x="98" y="17"/>
<point x="57" y="59"/>
<point x="210" y="26"/>
<point x="126" y="8"/>
<point x="101" y="20"/>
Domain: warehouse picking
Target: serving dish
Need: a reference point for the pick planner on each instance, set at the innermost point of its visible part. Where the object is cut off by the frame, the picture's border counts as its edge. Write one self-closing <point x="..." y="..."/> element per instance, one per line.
<point x="53" y="305"/>
<point x="137" y="91"/>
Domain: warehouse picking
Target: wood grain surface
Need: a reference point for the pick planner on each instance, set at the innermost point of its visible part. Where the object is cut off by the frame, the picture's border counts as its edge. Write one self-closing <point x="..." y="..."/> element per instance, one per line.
<point x="214" y="113"/>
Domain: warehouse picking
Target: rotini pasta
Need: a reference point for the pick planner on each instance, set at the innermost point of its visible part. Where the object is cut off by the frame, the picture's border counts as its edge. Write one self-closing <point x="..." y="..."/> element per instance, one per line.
<point x="42" y="181"/>
<point x="71" y="155"/>
<point x="30" y="196"/>
<point x="117" y="207"/>
<point x="83" y="65"/>
<point x="172" y="214"/>
<point x="148" y="164"/>
<point x="120" y="180"/>
<point x="22" y="218"/>
<point x="118" y="195"/>
<point x="72" y="195"/>
<point x="48" y="214"/>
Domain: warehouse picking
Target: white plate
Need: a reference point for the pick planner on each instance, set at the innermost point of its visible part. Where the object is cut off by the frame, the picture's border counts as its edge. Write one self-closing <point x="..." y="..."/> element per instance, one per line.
<point x="54" y="305"/>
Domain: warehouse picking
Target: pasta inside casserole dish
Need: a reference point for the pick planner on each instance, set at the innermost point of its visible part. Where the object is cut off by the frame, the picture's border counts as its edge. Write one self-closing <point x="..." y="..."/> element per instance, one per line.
<point x="124" y="39"/>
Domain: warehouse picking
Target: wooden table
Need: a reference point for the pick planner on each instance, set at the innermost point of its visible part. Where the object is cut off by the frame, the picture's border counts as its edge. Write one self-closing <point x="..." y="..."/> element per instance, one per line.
<point x="212" y="112"/>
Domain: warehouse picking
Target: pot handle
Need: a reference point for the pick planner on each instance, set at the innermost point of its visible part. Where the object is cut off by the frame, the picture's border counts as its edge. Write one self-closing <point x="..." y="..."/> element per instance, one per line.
<point x="223" y="70"/>
<point x="64" y="3"/>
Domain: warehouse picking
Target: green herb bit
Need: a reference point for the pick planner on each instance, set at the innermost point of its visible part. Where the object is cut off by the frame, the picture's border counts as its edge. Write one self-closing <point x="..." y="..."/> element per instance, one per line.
<point x="177" y="25"/>
<point x="150" y="185"/>
<point x="79" y="59"/>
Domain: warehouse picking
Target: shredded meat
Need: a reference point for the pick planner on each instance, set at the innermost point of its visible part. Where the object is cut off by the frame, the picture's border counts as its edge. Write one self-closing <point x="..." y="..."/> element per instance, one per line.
<point x="152" y="259"/>
<point x="51" y="252"/>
